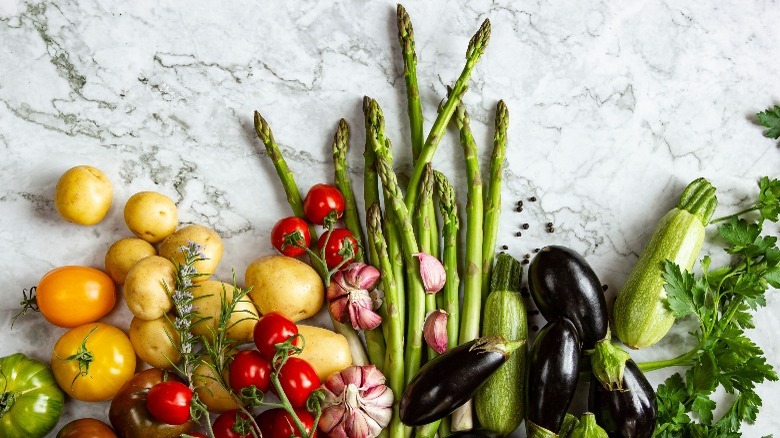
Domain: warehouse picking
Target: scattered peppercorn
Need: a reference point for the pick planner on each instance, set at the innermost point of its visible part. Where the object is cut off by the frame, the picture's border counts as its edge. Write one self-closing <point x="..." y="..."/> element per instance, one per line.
<point x="518" y="234"/>
<point x="504" y="247"/>
<point x="532" y="199"/>
<point x="537" y="249"/>
<point x="526" y="261"/>
<point x="527" y="256"/>
<point x="604" y="287"/>
<point x="519" y="209"/>
<point x="525" y="226"/>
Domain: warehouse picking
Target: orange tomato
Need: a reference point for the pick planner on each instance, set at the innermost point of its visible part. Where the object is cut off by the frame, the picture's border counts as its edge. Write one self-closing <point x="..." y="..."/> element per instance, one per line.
<point x="92" y="362"/>
<point x="86" y="428"/>
<point x="74" y="295"/>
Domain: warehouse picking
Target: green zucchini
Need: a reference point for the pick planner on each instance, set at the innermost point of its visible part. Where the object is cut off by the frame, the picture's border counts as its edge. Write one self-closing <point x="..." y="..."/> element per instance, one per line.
<point x="641" y="315"/>
<point x="500" y="402"/>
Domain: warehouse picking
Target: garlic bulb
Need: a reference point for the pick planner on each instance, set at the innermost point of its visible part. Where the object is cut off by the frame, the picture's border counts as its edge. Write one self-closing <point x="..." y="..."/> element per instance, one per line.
<point x="357" y="404"/>
<point x="350" y="296"/>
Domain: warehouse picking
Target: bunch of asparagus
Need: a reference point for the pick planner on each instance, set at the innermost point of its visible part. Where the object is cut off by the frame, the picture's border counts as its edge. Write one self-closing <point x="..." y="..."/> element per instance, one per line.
<point x="410" y="225"/>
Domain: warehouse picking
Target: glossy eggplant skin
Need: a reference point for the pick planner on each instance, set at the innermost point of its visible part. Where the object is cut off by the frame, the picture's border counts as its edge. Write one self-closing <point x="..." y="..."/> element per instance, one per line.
<point x="472" y="434"/>
<point x="630" y="413"/>
<point x="450" y="380"/>
<point x="563" y="284"/>
<point x="553" y="372"/>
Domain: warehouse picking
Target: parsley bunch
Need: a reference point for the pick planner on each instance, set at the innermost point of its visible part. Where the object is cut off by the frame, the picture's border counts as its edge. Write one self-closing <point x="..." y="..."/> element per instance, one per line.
<point x="721" y="299"/>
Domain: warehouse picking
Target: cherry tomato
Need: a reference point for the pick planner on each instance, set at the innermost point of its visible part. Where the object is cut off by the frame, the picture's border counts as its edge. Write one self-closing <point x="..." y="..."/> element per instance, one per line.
<point x="86" y="428"/>
<point x="169" y="402"/>
<point x="266" y="421"/>
<point x="248" y="368"/>
<point x="271" y="329"/>
<point x="232" y="424"/>
<point x="339" y="238"/>
<point x="107" y="352"/>
<point x="71" y="296"/>
<point x="284" y="425"/>
<point x="286" y="228"/>
<point x="322" y="200"/>
<point x="298" y="380"/>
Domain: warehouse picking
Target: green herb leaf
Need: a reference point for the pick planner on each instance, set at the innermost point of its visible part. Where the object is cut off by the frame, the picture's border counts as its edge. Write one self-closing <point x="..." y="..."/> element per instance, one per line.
<point x="769" y="197"/>
<point x="678" y="284"/>
<point x="739" y="234"/>
<point x="770" y="119"/>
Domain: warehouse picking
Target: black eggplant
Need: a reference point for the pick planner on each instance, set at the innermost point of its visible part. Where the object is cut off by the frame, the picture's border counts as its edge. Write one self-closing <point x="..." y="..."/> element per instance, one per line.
<point x="630" y="413"/>
<point x="563" y="284"/>
<point x="472" y="434"/>
<point x="450" y="380"/>
<point x="553" y="372"/>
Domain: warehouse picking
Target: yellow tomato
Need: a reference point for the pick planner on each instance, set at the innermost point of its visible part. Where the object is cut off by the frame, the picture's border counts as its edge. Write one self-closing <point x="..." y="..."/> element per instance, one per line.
<point x="74" y="295"/>
<point x="93" y="361"/>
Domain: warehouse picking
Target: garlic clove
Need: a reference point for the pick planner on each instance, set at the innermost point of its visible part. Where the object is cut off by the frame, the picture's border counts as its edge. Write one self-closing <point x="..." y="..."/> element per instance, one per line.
<point x="432" y="272"/>
<point x="435" y="330"/>
<point x="361" y="276"/>
<point x="361" y="311"/>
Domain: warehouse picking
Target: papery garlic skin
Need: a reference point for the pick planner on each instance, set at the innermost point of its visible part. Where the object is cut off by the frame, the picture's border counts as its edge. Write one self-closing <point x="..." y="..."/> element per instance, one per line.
<point x="432" y="273"/>
<point x="357" y="403"/>
<point x="349" y="296"/>
<point x="435" y="330"/>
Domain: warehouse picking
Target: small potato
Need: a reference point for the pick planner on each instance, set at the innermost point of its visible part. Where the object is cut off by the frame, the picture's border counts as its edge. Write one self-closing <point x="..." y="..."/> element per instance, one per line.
<point x="207" y="238"/>
<point x="152" y="343"/>
<point x="210" y="390"/>
<point x="208" y="302"/>
<point x="151" y="216"/>
<point x="83" y="195"/>
<point x="125" y="253"/>
<point x="286" y="285"/>
<point x="145" y="287"/>
<point x="326" y="351"/>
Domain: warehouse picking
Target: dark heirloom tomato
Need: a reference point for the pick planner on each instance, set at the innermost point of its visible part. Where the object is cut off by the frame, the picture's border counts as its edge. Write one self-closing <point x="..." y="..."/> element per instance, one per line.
<point x="30" y="400"/>
<point x="128" y="413"/>
<point x="86" y="428"/>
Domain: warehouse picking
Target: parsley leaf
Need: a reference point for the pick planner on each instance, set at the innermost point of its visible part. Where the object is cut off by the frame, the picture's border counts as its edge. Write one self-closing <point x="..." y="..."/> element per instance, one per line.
<point x="769" y="198"/>
<point x="770" y="119"/>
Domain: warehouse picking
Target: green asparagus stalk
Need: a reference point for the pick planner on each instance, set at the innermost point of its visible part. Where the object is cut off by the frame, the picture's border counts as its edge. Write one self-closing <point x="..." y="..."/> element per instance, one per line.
<point x="416" y="302"/>
<point x="375" y="134"/>
<point x="472" y="282"/>
<point x="476" y="47"/>
<point x="296" y="204"/>
<point x="449" y="214"/>
<point x="424" y="233"/>
<point x="406" y="38"/>
<point x="351" y="215"/>
<point x="394" y="367"/>
<point x="370" y="177"/>
<point x="493" y="197"/>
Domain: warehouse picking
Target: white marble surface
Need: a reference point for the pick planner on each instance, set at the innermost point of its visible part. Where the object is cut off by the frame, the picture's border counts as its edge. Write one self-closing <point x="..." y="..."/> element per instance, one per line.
<point x="614" y="106"/>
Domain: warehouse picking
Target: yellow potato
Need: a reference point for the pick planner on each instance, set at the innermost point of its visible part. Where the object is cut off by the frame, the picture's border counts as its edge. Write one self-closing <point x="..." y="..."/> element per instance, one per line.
<point x="211" y="391"/>
<point x="207" y="238"/>
<point x="125" y="253"/>
<point x="83" y="195"/>
<point x="208" y="299"/>
<point x="152" y="341"/>
<point x="151" y="216"/>
<point x="326" y="351"/>
<point x="286" y="285"/>
<point x="144" y="287"/>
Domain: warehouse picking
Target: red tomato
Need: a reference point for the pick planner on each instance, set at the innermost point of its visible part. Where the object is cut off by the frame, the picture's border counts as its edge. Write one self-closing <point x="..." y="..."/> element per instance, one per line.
<point x="291" y="228"/>
<point x="321" y="201"/>
<point x="298" y="380"/>
<point x="266" y="422"/>
<point x="339" y="238"/>
<point x="169" y="402"/>
<point x="248" y="368"/>
<point x="284" y="425"/>
<point x="232" y="424"/>
<point x="271" y="329"/>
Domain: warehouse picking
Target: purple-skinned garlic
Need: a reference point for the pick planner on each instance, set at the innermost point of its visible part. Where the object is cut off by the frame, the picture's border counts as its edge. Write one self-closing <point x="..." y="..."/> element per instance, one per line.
<point x="432" y="272"/>
<point x="435" y="330"/>
<point x="350" y="296"/>
<point x="357" y="403"/>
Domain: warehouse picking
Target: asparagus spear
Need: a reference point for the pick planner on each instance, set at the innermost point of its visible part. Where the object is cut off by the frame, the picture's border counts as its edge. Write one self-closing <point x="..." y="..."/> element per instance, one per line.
<point x="424" y="233"/>
<point x="473" y="53"/>
<point x="449" y="213"/>
<point x="416" y="302"/>
<point x="370" y="178"/>
<point x="296" y="204"/>
<point x="351" y="217"/>
<point x="394" y="368"/>
<point x="375" y="134"/>
<point x="493" y="197"/>
<point x="406" y="38"/>
<point x="472" y="282"/>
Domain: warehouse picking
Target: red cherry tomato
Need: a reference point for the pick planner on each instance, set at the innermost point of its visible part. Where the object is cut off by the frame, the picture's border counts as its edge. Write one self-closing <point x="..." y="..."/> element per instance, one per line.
<point x="169" y="402"/>
<point x="284" y="425"/>
<point x="271" y="329"/>
<point x="298" y="380"/>
<point x="287" y="228"/>
<point x="321" y="200"/>
<point x="248" y="368"/>
<point x="232" y="424"/>
<point x="336" y="242"/>
<point x="266" y="422"/>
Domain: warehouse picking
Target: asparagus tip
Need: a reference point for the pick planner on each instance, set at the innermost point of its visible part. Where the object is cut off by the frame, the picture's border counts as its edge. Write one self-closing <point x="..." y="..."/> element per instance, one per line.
<point x="479" y="41"/>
